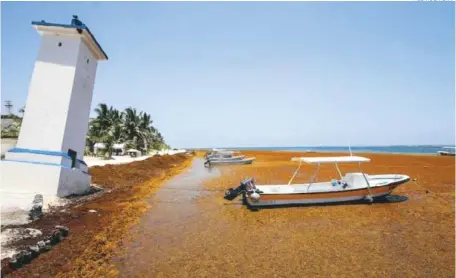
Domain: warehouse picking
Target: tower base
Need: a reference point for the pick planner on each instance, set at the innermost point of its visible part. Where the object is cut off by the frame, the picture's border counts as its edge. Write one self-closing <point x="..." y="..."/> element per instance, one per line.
<point x="28" y="179"/>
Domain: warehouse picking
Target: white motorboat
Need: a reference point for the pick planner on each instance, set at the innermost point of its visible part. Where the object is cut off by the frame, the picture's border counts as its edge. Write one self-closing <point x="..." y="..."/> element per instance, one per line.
<point x="350" y="187"/>
<point x="213" y="162"/>
<point x="215" y="153"/>
<point x="223" y="157"/>
<point x="447" y="151"/>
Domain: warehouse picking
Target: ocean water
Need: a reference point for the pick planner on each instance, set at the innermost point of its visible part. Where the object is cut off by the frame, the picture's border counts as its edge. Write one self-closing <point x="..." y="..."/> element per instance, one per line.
<point x="423" y="149"/>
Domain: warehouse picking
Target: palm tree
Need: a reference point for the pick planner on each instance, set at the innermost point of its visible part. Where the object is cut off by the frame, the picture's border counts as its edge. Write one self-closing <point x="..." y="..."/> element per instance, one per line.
<point x="106" y="128"/>
<point x="111" y="126"/>
<point x="22" y="111"/>
<point x="147" y="129"/>
<point x="137" y="127"/>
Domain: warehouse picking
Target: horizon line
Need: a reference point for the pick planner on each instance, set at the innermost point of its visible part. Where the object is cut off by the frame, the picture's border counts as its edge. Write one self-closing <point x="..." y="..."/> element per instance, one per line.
<point x="326" y="146"/>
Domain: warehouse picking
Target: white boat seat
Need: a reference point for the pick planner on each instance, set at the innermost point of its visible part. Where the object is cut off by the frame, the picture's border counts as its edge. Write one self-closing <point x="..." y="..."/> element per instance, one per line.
<point x="354" y="180"/>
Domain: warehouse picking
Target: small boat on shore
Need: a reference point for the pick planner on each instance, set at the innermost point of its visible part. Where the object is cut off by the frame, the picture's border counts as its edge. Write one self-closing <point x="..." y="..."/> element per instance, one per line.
<point x="216" y="153"/>
<point x="238" y="157"/>
<point x="228" y="155"/>
<point x="222" y="157"/>
<point x="228" y="161"/>
<point x="447" y="151"/>
<point x="350" y="187"/>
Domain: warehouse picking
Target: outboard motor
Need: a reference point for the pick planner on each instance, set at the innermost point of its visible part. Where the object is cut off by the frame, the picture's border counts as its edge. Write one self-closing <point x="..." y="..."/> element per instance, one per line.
<point x="246" y="186"/>
<point x="231" y="194"/>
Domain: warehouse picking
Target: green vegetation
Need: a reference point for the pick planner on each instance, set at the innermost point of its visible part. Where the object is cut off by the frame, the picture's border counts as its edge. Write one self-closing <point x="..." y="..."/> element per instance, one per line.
<point x="109" y="127"/>
<point x="11" y="125"/>
<point x="112" y="126"/>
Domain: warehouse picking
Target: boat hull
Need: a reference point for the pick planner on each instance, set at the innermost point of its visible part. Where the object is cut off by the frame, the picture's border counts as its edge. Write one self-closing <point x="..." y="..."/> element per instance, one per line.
<point x="230" y="162"/>
<point x="214" y="158"/>
<point x="444" y="153"/>
<point x="351" y="195"/>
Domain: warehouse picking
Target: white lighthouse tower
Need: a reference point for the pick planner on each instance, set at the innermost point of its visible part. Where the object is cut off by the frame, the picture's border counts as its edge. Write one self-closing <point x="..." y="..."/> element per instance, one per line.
<point x="48" y="158"/>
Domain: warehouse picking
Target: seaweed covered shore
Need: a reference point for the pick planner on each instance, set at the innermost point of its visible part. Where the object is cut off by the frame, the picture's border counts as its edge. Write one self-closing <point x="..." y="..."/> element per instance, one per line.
<point x="414" y="238"/>
<point x="96" y="222"/>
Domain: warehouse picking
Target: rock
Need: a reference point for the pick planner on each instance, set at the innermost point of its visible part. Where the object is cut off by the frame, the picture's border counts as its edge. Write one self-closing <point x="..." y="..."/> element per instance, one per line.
<point x="27" y="258"/>
<point x="21" y="258"/>
<point x="42" y="246"/>
<point x="47" y="245"/>
<point x="34" y="251"/>
<point x="14" y="264"/>
<point x="29" y="232"/>
<point x="56" y="237"/>
<point x="96" y="187"/>
<point x="63" y="230"/>
<point x="37" y="208"/>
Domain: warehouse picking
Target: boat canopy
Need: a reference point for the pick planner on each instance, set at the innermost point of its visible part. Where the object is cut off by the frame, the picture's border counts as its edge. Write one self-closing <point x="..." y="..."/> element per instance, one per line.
<point x="331" y="159"/>
<point x="221" y="151"/>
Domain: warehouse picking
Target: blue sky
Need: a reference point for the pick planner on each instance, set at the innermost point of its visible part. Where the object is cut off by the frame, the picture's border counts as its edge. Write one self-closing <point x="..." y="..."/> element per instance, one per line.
<point x="261" y="74"/>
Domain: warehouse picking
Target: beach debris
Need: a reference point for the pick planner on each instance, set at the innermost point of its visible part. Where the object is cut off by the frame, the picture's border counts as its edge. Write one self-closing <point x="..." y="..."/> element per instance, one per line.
<point x="92" y="211"/>
<point x="37" y="208"/>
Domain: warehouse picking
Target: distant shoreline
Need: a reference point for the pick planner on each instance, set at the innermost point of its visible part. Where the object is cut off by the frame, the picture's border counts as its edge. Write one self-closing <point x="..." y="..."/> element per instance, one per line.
<point x="327" y="152"/>
<point x="400" y="150"/>
<point x="353" y="153"/>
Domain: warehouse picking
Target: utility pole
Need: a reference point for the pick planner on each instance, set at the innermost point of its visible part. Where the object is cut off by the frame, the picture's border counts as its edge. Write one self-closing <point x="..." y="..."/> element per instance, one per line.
<point x="8" y="106"/>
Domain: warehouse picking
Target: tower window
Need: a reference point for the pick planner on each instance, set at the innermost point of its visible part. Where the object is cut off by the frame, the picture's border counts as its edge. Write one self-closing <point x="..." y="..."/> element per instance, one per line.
<point x="60" y="44"/>
<point x="87" y="61"/>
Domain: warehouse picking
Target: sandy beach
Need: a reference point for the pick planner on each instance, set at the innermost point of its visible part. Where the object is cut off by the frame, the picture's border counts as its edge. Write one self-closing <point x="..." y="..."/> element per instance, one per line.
<point x="97" y="161"/>
<point x="182" y="227"/>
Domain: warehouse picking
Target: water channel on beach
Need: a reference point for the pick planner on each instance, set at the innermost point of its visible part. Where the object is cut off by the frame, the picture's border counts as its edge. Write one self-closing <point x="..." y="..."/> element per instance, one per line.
<point x="174" y="212"/>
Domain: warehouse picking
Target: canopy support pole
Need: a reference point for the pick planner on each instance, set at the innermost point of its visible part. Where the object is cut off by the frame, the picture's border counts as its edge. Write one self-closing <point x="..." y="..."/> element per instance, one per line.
<point x="369" y="196"/>
<point x="338" y="170"/>
<point x="314" y="176"/>
<point x="296" y="172"/>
